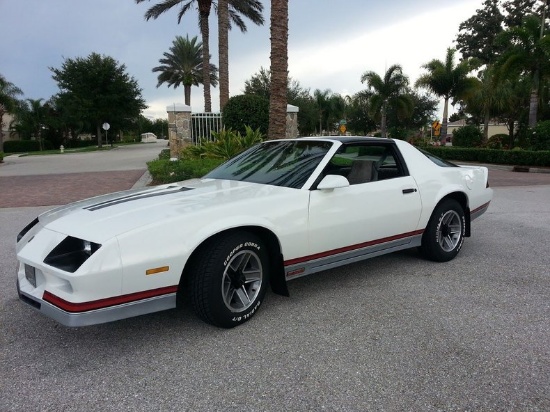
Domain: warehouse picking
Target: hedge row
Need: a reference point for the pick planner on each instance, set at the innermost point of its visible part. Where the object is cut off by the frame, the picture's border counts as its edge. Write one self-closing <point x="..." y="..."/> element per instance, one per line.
<point x="505" y="157"/>
<point x="1" y="157"/>
<point x="23" y="146"/>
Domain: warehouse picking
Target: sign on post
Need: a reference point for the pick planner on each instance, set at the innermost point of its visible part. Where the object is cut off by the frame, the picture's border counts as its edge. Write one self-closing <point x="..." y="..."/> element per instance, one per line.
<point x="436" y="128"/>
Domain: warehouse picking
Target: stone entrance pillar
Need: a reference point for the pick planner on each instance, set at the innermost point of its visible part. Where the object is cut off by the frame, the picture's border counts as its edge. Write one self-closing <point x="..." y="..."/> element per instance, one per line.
<point x="179" y="127"/>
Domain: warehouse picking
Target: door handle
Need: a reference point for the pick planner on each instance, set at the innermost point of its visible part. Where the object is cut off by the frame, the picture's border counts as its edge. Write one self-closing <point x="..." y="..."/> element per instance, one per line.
<point x="406" y="191"/>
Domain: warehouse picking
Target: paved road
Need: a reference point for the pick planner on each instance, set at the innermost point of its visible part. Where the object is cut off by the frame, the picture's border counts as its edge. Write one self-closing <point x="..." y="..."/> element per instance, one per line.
<point x="394" y="333"/>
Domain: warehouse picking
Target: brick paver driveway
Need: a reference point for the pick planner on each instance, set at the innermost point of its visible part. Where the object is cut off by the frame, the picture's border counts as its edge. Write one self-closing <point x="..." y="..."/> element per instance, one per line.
<point x="56" y="180"/>
<point x="58" y="189"/>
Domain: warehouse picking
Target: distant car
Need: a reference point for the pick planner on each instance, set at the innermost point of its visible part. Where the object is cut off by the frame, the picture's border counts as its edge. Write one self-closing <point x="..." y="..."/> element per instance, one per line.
<point x="278" y="211"/>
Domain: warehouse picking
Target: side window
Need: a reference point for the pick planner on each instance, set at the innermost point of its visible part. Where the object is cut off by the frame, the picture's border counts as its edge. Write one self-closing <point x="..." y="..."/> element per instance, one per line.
<point x="363" y="163"/>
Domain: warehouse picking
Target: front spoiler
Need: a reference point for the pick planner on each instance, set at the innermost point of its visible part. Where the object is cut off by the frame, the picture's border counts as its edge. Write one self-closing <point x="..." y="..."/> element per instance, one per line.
<point x="97" y="316"/>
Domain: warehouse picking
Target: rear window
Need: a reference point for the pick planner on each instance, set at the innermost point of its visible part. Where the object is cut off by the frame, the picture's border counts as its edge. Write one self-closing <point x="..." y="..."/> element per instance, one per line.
<point x="437" y="160"/>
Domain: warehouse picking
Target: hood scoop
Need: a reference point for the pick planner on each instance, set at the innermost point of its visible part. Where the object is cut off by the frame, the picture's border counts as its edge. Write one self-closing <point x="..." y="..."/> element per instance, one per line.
<point x="161" y="192"/>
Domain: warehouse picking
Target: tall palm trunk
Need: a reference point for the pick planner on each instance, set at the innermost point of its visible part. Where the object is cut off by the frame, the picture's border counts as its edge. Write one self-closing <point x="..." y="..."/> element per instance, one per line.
<point x="486" y="119"/>
<point x="187" y="94"/>
<point x="443" y="136"/>
<point x="204" y="12"/>
<point x="223" y="51"/>
<point x="383" y="119"/>
<point x="534" y="100"/>
<point x="2" y="112"/>
<point x="279" y="69"/>
<point x="99" y="136"/>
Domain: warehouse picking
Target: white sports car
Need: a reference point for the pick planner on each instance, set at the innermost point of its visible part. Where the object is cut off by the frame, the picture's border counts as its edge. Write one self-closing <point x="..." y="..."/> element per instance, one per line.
<point x="280" y="210"/>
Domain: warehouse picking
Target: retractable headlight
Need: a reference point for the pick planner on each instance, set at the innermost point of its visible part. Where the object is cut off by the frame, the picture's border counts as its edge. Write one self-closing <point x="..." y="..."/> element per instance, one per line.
<point x="26" y="229"/>
<point x="71" y="253"/>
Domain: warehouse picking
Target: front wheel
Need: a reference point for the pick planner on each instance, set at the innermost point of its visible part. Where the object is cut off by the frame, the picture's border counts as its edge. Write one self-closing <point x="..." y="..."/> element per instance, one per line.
<point x="229" y="279"/>
<point x="444" y="235"/>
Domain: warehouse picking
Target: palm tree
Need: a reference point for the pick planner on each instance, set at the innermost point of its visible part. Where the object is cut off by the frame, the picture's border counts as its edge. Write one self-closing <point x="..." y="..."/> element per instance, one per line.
<point x="278" y="69"/>
<point x="528" y="52"/>
<point x="331" y="107"/>
<point x="182" y="65"/>
<point x="322" y="100"/>
<point x="251" y="9"/>
<point x="445" y="79"/>
<point x="204" y="7"/>
<point x="391" y="89"/>
<point x="8" y="102"/>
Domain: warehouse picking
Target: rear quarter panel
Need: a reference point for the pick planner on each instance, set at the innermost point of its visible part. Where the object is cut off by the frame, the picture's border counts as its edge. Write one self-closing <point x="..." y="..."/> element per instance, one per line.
<point x="435" y="182"/>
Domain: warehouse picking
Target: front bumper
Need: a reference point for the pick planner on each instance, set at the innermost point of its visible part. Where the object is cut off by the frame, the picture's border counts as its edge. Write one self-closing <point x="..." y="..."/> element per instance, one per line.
<point x="104" y="310"/>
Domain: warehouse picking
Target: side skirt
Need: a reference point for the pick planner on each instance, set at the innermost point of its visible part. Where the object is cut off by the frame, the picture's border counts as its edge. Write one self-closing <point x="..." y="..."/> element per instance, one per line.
<point x="297" y="268"/>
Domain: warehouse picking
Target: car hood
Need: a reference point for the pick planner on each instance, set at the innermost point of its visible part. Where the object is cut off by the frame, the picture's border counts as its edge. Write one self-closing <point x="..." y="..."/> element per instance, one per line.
<point x="101" y="218"/>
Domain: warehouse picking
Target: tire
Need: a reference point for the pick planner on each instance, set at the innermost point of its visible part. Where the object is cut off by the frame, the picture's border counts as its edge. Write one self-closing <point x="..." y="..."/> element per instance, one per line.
<point x="444" y="235"/>
<point x="229" y="279"/>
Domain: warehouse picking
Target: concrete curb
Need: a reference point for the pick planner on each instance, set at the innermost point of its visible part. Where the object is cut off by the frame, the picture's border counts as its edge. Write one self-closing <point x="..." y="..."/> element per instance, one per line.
<point x="143" y="181"/>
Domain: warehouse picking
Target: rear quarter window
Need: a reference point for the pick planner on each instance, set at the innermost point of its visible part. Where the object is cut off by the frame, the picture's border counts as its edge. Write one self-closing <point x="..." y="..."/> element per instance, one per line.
<point x="437" y="160"/>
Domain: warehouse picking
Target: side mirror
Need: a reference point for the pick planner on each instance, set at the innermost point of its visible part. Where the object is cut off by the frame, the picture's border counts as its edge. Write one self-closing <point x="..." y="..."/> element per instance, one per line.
<point x="330" y="182"/>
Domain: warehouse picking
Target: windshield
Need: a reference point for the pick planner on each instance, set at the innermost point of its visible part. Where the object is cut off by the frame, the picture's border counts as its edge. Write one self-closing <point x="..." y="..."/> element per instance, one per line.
<point x="284" y="163"/>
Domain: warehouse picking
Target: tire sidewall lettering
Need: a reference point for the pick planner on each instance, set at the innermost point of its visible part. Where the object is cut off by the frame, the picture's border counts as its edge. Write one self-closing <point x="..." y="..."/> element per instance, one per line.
<point x="237" y="248"/>
<point x="247" y="315"/>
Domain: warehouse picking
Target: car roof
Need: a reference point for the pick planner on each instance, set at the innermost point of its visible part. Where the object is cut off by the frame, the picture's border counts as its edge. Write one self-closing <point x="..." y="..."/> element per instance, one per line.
<point x="347" y="139"/>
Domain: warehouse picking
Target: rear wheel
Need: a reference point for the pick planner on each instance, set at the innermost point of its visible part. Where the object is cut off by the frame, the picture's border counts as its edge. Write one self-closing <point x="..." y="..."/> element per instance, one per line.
<point x="229" y="279"/>
<point x="445" y="232"/>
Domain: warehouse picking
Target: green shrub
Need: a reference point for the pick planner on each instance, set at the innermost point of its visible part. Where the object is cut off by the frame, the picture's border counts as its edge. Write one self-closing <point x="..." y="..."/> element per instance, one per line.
<point x="167" y="171"/>
<point x="467" y="136"/>
<point x="226" y="144"/>
<point x="21" y="146"/>
<point x="497" y="141"/>
<point x="164" y="154"/>
<point x="1" y="157"/>
<point x="245" y="110"/>
<point x="540" y="136"/>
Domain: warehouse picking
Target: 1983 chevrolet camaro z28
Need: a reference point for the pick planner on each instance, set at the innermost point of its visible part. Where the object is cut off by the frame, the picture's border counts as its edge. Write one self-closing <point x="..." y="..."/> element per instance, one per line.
<point x="280" y="210"/>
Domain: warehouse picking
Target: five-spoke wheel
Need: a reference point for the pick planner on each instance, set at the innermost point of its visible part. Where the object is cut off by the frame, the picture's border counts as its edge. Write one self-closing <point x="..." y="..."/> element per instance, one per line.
<point x="229" y="277"/>
<point x="445" y="232"/>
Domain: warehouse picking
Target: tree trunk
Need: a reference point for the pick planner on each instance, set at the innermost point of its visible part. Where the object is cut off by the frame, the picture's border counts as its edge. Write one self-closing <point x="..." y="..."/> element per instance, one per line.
<point x="279" y="69"/>
<point x="511" y="125"/>
<point x="534" y="101"/>
<point x="443" y="136"/>
<point x="486" y="127"/>
<point x="223" y="51"/>
<point x="99" y="137"/>
<point x="533" y="106"/>
<point x="2" y="112"/>
<point x="383" y="120"/>
<point x="204" y="13"/>
<point x="187" y="94"/>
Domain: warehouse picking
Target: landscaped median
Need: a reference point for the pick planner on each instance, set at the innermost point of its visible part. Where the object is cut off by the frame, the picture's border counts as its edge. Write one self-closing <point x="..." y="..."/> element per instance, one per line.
<point x="197" y="160"/>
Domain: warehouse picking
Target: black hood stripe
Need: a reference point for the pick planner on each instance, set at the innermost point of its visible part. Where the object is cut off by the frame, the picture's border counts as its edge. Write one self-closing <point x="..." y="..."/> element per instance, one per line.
<point x="129" y="198"/>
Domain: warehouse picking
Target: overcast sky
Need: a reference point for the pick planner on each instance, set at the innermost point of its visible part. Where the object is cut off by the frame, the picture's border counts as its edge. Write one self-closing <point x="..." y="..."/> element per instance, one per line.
<point x="331" y="43"/>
